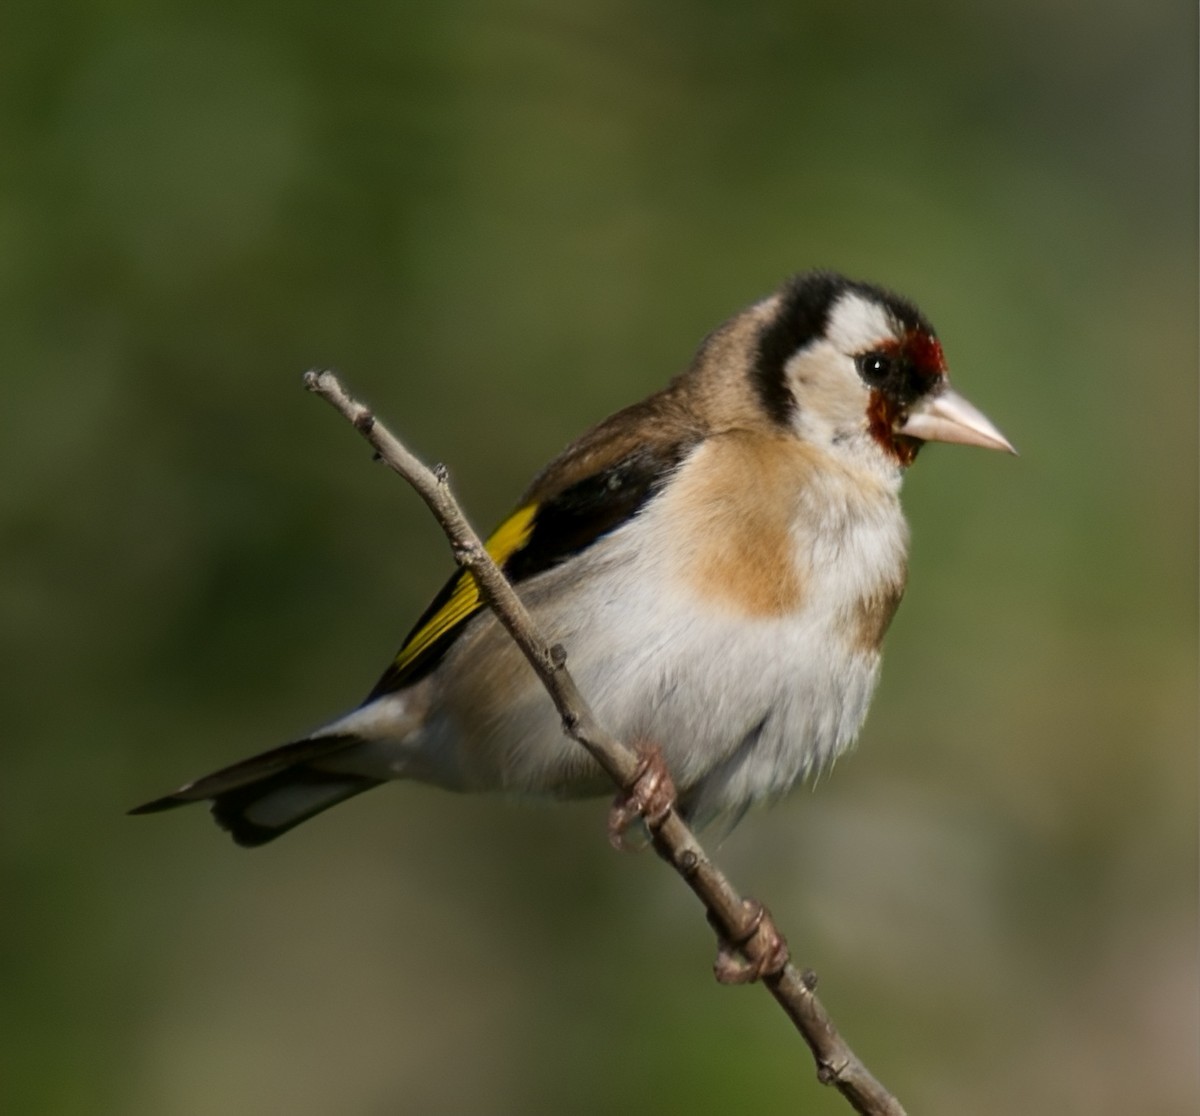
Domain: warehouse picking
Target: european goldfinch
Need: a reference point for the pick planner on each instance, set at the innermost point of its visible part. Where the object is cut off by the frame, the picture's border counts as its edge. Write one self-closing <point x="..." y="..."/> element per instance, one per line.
<point x="720" y="561"/>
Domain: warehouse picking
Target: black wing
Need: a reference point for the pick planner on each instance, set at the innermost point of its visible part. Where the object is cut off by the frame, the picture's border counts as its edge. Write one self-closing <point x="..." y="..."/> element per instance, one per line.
<point x="538" y="536"/>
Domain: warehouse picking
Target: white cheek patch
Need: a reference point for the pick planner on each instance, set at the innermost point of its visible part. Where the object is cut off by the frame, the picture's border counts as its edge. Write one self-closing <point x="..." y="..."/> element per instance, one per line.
<point x="830" y="395"/>
<point x="856" y="324"/>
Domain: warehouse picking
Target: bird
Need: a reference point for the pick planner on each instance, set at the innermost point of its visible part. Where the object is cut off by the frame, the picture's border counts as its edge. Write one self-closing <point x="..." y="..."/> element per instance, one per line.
<point x="720" y="561"/>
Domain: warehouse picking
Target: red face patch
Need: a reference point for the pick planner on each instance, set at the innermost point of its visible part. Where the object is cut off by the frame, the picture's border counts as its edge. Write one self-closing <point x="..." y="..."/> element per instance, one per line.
<point x="882" y="416"/>
<point x="924" y="353"/>
<point x="921" y="364"/>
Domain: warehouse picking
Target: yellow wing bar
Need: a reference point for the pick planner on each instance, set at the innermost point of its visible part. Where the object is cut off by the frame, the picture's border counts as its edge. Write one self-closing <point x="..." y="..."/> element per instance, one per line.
<point x="464" y="600"/>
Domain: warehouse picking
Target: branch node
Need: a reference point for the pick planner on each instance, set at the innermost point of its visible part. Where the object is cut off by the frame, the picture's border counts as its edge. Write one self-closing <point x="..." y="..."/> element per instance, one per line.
<point x="441" y="473"/>
<point x="809" y="979"/>
<point x="558" y="656"/>
<point x="688" y="862"/>
<point x="364" y="423"/>
<point x="832" y="1073"/>
<point x="324" y="381"/>
<point x="465" y="553"/>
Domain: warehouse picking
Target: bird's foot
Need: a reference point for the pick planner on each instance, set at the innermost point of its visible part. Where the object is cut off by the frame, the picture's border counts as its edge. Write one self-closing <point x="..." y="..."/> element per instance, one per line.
<point x="650" y="797"/>
<point x="756" y="951"/>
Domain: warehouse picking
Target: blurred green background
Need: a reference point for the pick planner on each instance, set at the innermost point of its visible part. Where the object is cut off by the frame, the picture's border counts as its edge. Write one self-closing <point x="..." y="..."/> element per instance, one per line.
<point x="503" y="220"/>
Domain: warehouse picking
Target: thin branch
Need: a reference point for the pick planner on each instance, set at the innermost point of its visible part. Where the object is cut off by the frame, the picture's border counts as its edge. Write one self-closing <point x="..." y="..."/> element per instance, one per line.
<point x="736" y="920"/>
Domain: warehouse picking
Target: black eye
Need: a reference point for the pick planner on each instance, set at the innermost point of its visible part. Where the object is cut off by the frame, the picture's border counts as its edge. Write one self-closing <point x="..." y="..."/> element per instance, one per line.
<point x="875" y="368"/>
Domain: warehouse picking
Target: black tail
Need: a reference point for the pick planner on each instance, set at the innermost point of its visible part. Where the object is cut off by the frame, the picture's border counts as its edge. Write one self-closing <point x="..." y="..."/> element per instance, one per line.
<point x="260" y="798"/>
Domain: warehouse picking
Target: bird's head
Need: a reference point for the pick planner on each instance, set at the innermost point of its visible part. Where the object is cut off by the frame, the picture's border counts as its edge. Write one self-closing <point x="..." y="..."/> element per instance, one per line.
<point x="856" y="368"/>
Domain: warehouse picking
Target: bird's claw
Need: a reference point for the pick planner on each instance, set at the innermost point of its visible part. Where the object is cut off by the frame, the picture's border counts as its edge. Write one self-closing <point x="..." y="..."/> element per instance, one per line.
<point x="758" y="950"/>
<point x="649" y="798"/>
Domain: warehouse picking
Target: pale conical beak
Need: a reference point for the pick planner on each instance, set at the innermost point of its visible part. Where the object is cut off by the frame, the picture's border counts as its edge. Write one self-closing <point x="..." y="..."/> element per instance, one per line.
<point x="948" y="417"/>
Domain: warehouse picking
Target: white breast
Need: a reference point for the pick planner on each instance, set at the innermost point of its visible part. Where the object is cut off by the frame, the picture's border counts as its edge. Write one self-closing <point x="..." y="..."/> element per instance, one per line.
<point x="741" y="705"/>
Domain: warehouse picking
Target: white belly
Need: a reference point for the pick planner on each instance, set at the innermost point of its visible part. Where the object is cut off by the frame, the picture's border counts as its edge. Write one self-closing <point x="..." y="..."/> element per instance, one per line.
<point x="741" y="706"/>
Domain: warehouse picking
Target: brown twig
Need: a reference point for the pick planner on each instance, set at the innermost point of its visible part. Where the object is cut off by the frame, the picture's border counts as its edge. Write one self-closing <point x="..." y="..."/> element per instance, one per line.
<point x="742" y="924"/>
